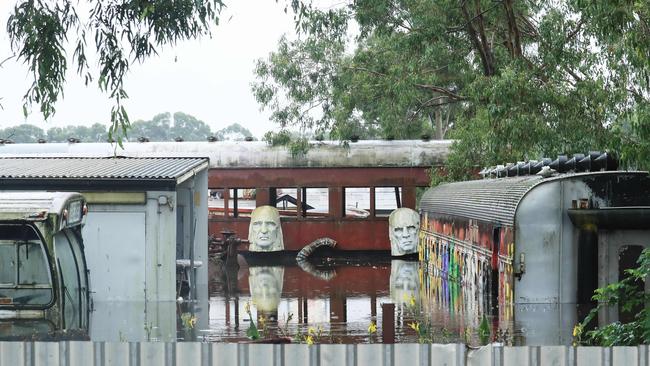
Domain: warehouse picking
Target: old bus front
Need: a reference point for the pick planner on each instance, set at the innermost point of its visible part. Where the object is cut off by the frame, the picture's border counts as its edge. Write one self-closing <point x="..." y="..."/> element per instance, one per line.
<point x="43" y="276"/>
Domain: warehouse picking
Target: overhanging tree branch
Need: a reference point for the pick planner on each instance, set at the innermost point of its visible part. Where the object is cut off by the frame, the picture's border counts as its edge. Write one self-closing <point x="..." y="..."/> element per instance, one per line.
<point x="441" y="90"/>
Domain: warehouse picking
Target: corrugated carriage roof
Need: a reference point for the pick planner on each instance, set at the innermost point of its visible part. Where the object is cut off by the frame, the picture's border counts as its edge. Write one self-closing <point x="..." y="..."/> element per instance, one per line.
<point x="97" y="168"/>
<point x="485" y="200"/>
<point x="16" y="202"/>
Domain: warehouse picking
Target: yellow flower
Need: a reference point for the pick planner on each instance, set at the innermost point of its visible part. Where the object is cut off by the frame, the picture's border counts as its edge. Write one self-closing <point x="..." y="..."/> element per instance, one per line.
<point x="412" y="300"/>
<point x="310" y="340"/>
<point x="311" y="331"/>
<point x="372" y="328"/>
<point x="415" y="326"/>
<point x="577" y="330"/>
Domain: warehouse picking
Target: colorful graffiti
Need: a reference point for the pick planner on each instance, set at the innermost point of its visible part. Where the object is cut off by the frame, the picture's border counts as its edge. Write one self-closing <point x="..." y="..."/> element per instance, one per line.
<point x="460" y="262"/>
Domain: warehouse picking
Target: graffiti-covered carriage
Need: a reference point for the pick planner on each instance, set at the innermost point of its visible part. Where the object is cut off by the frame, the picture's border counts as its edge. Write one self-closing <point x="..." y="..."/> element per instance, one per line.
<point x="532" y="239"/>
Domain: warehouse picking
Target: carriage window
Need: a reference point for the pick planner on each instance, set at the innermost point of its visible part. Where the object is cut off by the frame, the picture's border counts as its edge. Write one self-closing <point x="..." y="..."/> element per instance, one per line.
<point x="24" y="270"/>
<point x="316" y="202"/>
<point x="387" y="199"/>
<point x="357" y="202"/>
<point x="72" y="290"/>
<point x="286" y="200"/>
<point x="240" y="203"/>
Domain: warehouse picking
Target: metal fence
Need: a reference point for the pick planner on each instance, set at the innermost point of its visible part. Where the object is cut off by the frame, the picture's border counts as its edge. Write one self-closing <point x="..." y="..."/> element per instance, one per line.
<point x="169" y="354"/>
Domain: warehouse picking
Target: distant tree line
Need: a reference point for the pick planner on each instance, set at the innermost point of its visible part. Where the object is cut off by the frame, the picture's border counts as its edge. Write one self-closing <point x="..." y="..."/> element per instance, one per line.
<point x="162" y="127"/>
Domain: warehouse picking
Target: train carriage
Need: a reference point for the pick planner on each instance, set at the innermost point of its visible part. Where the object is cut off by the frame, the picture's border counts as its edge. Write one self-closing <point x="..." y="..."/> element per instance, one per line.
<point x="43" y="272"/>
<point x="538" y="240"/>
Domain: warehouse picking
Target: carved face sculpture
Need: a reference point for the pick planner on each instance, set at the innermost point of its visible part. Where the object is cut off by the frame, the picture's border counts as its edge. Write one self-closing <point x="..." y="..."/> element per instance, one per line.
<point x="403" y="227"/>
<point x="404" y="282"/>
<point x="266" y="288"/>
<point x="265" y="231"/>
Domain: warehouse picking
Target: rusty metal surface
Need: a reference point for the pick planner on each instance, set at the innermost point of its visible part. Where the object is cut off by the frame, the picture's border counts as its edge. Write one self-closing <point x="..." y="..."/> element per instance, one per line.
<point x="319" y="177"/>
<point x="350" y="234"/>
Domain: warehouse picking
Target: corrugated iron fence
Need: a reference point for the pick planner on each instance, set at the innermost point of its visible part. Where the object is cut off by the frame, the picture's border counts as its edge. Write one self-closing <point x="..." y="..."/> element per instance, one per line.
<point x="169" y="354"/>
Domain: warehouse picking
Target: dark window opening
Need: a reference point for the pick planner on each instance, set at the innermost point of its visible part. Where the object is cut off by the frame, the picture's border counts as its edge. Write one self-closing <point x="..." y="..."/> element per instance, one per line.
<point x="24" y="270"/>
<point x="628" y="256"/>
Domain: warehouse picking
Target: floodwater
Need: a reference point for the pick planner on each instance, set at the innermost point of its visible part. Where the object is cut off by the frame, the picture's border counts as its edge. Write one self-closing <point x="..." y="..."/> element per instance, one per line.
<point x="333" y="303"/>
<point x="344" y="303"/>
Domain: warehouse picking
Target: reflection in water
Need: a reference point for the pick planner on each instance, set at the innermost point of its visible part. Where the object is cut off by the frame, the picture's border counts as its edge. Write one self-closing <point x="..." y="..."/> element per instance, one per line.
<point x="345" y="305"/>
<point x="266" y="289"/>
<point x="404" y="283"/>
<point x="291" y="301"/>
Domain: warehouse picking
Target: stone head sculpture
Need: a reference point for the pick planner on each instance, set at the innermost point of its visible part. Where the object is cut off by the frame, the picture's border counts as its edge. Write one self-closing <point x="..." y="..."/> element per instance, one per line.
<point x="266" y="289"/>
<point x="403" y="227"/>
<point x="265" y="231"/>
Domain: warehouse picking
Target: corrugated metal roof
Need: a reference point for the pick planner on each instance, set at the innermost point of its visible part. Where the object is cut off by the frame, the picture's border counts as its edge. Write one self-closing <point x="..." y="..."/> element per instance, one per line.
<point x="486" y="200"/>
<point x="98" y="168"/>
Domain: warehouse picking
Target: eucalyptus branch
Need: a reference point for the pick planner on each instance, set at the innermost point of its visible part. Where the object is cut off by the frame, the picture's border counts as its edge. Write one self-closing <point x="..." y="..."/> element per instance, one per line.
<point x="441" y="90"/>
<point x="462" y="27"/>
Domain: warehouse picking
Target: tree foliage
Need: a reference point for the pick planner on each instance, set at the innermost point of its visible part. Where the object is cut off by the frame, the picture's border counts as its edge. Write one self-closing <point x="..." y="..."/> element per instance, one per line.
<point x="26" y="133"/>
<point x="233" y="132"/>
<point x="508" y="80"/>
<point x="630" y="297"/>
<point x="122" y="32"/>
<point x="162" y="127"/>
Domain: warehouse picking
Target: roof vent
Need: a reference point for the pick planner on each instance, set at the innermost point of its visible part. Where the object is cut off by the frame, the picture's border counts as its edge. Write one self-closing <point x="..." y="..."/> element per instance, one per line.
<point x="593" y="161"/>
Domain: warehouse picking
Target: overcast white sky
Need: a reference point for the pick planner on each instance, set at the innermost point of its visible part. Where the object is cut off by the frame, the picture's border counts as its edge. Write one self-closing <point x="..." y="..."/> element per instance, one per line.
<point x="209" y="79"/>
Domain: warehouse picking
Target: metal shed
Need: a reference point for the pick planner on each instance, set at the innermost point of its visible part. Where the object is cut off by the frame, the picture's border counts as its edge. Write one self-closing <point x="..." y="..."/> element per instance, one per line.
<point x="146" y="217"/>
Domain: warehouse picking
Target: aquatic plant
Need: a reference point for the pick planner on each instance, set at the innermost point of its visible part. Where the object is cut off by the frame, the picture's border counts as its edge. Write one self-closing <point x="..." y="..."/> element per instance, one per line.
<point x="423" y="331"/>
<point x="484" y="331"/>
<point x="372" y="331"/>
<point x="188" y="320"/>
<point x="313" y="336"/>
<point x="252" y="332"/>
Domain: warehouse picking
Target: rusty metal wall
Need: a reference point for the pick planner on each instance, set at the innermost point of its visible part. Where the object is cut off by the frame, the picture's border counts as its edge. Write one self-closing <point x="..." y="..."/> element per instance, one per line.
<point x="171" y="354"/>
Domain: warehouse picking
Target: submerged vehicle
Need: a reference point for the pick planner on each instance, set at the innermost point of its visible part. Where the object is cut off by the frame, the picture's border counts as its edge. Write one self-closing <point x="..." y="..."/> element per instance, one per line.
<point x="542" y="240"/>
<point x="43" y="273"/>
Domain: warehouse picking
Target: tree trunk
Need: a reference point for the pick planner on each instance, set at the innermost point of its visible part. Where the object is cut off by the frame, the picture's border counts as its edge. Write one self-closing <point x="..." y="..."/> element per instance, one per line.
<point x="513" y="29"/>
<point x="439" y="127"/>
<point x="478" y="38"/>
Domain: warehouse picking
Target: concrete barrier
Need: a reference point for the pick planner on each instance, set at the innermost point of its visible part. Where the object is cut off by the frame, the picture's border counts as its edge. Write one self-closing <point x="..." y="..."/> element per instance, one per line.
<point x="217" y="354"/>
